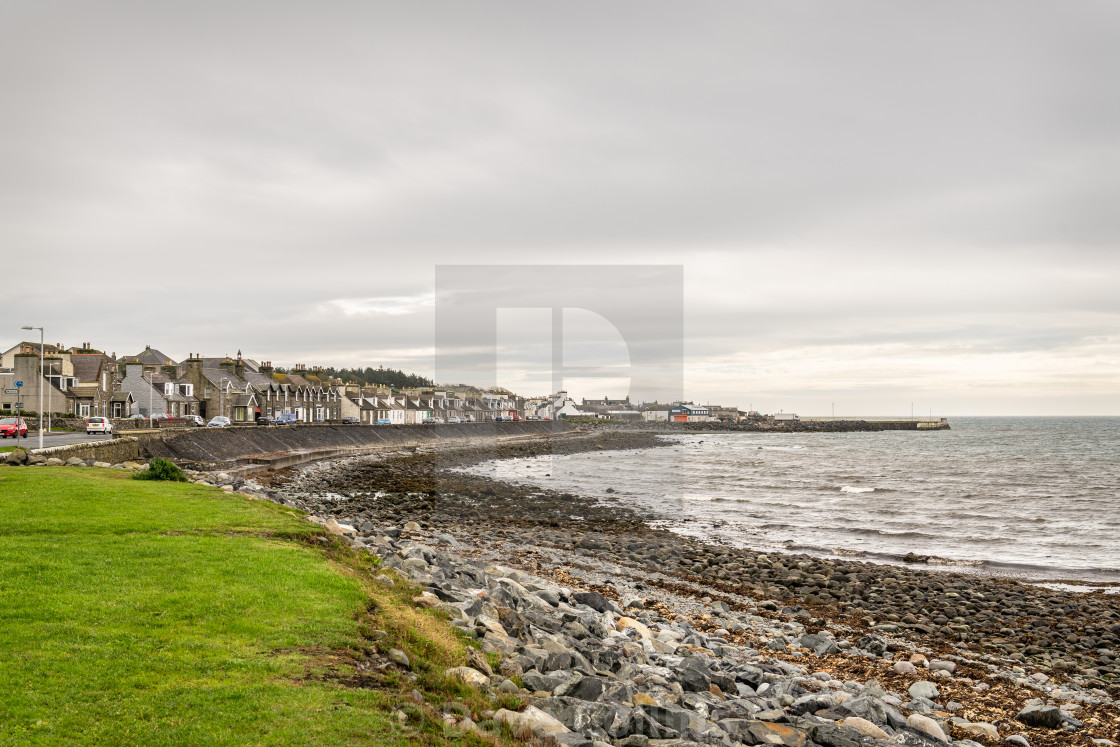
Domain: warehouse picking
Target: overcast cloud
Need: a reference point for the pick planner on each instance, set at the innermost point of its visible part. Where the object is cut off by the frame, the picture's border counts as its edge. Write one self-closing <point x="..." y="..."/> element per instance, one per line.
<point x="874" y="203"/>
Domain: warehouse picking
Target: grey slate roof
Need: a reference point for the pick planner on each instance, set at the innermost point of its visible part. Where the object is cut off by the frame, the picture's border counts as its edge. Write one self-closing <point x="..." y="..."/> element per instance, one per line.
<point x="153" y="357"/>
<point x="218" y="376"/>
<point x="87" y="366"/>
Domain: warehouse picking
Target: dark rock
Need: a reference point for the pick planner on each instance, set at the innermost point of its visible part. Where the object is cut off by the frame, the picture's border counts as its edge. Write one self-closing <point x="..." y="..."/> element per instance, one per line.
<point x="592" y="599"/>
<point x="764" y="732"/>
<point x="835" y="735"/>
<point x="819" y="644"/>
<point x="1046" y="717"/>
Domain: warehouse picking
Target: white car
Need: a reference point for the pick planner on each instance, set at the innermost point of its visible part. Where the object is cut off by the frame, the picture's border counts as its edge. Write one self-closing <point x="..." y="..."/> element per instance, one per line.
<point x="194" y="420"/>
<point x="218" y="421"/>
<point x="99" y="425"/>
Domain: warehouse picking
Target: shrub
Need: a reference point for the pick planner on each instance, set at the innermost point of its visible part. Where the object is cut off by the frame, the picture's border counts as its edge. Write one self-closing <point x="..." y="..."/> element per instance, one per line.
<point x="161" y="469"/>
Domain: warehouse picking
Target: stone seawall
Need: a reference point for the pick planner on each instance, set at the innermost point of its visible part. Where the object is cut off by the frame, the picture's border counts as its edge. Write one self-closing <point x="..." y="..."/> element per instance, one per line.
<point x="113" y="451"/>
<point x="285" y="445"/>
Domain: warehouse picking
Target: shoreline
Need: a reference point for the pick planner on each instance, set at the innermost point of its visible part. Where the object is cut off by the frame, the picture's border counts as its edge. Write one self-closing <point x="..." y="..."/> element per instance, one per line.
<point x="422" y="486"/>
<point x="1085" y="579"/>
<point x="1021" y="640"/>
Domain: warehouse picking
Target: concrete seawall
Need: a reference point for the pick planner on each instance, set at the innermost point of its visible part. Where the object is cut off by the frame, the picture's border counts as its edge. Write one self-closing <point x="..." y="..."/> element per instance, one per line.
<point x="275" y="447"/>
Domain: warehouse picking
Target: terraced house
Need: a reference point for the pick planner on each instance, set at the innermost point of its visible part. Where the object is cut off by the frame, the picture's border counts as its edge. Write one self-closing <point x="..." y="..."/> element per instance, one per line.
<point x="243" y="390"/>
<point x="80" y="381"/>
<point x="159" y="391"/>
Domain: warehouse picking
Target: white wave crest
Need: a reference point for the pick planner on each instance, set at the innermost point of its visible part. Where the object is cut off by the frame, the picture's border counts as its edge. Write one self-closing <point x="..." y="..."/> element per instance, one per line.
<point x="855" y="489"/>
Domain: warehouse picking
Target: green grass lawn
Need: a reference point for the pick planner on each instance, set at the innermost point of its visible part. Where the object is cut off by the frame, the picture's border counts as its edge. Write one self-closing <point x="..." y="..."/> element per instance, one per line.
<point x="137" y="612"/>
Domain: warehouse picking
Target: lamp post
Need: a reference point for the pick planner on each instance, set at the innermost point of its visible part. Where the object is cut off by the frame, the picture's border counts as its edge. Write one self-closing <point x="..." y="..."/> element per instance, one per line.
<point x="151" y="386"/>
<point x="41" y="347"/>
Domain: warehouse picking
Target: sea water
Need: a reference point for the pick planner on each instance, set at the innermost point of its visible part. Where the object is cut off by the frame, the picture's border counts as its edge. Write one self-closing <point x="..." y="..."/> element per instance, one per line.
<point x="1034" y="497"/>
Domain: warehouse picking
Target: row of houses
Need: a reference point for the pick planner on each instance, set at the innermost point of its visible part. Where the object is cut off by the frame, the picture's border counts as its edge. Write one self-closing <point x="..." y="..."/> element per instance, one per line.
<point x="561" y="406"/>
<point x="86" y="382"/>
<point x="408" y="409"/>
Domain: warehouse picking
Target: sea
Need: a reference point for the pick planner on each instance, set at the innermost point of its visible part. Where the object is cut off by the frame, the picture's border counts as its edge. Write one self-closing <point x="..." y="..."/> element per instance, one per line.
<point x="1036" y="498"/>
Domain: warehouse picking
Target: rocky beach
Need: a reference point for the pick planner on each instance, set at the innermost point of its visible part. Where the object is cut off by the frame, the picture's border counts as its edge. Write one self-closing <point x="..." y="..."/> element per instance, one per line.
<point x="620" y="633"/>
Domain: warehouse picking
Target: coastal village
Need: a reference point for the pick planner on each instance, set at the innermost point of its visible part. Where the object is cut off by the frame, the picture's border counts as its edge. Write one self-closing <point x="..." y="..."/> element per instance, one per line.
<point x="82" y="381"/>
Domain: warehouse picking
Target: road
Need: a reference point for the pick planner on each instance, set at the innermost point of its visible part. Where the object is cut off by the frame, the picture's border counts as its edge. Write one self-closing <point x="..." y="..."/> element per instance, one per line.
<point x="53" y="439"/>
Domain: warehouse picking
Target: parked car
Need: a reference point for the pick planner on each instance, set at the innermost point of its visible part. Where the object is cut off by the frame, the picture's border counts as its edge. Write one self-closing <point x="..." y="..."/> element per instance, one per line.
<point x="350" y="421"/>
<point x="137" y="416"/>
<point x="266" y="420"/>
<point x="99" y="425"/>
<point x="163" y="416"/>
<point x="287" y="418"/>
<point x="498" y="419"/>
<point x="454" y="419"/>
<point x="13" y="428"/>
<point x="218" y="421"/>
<point x="516" y="418"/>
<point x="384" y="421"/>
<point x="195" y="420"/>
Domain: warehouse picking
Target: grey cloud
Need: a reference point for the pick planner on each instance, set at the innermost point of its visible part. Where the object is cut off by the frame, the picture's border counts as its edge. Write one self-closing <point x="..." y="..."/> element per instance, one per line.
<point x="266" y="159"/>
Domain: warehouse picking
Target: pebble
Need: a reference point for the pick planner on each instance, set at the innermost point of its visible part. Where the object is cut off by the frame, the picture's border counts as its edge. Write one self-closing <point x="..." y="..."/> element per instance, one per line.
<point x="927" y="725"/>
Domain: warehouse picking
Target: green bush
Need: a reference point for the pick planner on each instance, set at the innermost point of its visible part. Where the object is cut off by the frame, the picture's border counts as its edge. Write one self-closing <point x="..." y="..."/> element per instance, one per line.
<point x="161" y="469"/>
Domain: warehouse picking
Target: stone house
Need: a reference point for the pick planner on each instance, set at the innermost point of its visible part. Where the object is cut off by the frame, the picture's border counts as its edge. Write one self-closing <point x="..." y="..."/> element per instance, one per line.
<point x="159" y="392"/>
<point x="8" y="357"/>
<point x="26" y="370"/>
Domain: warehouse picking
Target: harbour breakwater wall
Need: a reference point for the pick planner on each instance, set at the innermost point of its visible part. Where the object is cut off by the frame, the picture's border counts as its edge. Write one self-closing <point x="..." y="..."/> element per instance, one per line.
<point x="804" y="425"/>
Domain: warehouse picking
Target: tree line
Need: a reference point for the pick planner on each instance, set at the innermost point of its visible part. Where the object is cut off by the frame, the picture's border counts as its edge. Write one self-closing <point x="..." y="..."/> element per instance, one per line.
<point x="379" y="376"/>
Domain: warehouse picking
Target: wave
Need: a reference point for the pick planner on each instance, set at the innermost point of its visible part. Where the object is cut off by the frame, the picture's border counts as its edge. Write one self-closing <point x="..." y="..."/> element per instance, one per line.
<point x="855" y="489"/>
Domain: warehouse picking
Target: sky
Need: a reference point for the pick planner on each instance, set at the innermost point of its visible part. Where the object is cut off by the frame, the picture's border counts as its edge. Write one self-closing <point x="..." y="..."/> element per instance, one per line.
<point x="876" y="206"/>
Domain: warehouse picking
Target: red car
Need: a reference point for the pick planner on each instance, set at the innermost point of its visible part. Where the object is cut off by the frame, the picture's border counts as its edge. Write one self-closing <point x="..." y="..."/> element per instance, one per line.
<point x="13" y="428"/>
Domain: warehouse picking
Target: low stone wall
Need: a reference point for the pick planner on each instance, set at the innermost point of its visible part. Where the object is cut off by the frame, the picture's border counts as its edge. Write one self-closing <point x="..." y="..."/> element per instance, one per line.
<point x="113" y="451"/>
<point x="224" y="446"/>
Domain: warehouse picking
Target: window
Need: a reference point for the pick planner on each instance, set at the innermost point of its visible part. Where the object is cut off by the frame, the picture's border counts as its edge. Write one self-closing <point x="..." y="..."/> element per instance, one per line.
<point x="207" y="392"/>
<point x="83" y="410"/>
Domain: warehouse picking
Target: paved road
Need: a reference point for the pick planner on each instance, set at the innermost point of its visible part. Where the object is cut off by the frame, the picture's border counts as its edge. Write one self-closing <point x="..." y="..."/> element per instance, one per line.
<point x="54" y="439"/>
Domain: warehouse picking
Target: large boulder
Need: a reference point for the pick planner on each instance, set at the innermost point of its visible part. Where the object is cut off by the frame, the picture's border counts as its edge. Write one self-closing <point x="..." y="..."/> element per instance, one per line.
<point x="1045" y="717"/>
<point x="764" y="732"/>
<point x="819" y="644"/>
<point x="592" y="599"/>
<point x="532" y="719"/>
<point x="924" y="689"/>
<point x="472" y="677"/>
<point x="866" y="728"/>
<point x="921" y="723"/>
<point x="835" y="735"/>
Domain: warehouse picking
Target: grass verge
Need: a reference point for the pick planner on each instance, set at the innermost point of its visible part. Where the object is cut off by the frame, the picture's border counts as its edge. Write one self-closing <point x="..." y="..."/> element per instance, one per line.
<point x="141" y="612"/>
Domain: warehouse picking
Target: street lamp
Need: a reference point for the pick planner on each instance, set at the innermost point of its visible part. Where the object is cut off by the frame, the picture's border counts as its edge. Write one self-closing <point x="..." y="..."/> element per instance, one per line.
<point x="40" y="383"/>
<point x="151" y="387"/>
